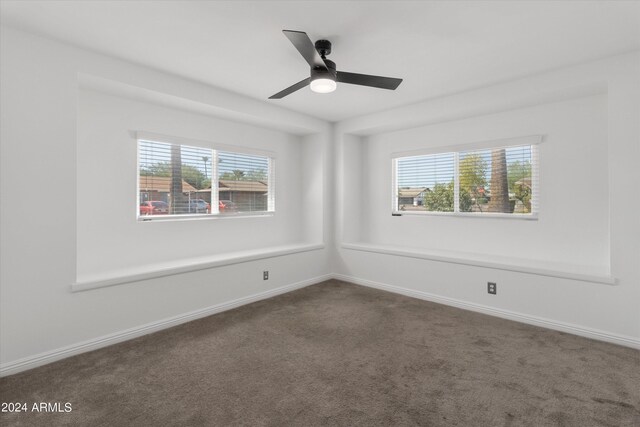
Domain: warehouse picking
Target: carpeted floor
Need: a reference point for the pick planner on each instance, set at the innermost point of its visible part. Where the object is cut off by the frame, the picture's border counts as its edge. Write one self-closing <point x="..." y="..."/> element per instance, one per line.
<point x="340" y="354"/>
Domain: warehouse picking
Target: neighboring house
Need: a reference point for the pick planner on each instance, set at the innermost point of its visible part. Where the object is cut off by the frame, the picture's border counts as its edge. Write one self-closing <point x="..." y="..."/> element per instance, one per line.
<point x="247" y="195"/>
<point x="159" y="188"/>
<point x="413" y="196"/>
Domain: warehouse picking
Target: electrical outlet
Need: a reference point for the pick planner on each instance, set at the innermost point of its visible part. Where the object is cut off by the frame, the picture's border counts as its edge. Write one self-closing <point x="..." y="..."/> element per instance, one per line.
<point x="492" y="288"/>
<point x="265" y="275"/>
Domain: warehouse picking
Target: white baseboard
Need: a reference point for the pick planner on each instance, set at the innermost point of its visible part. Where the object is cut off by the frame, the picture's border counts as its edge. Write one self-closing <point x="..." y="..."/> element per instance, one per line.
<point x="505" y="314"/>
<point x="106" y="340"/>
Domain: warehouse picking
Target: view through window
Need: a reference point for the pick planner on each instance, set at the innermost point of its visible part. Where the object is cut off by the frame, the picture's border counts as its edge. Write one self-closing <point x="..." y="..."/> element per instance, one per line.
<point x="486" y="181"/>
<point x="177" y="180"/>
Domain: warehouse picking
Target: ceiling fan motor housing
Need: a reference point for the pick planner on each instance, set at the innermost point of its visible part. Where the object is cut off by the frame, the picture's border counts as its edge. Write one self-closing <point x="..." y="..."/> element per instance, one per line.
<point x="329" y="73"/>
<point x="323" y="47"/>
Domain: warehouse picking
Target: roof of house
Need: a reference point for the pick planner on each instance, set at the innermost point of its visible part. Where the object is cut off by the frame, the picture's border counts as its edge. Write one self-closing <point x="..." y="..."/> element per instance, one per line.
<point x="411" y="192"/>
<point x="248" y="186"/>
<point x="162" y="184"/>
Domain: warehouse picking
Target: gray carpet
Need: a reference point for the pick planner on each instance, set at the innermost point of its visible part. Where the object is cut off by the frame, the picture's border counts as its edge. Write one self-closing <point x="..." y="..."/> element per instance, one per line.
<point x="340" y="354"/>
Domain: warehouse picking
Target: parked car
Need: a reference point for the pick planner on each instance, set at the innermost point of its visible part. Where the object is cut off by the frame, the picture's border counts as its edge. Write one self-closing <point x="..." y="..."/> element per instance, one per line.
<point x="199" y="206"/>
<point x="154" y="207"/>
<point x="227" y="206"/>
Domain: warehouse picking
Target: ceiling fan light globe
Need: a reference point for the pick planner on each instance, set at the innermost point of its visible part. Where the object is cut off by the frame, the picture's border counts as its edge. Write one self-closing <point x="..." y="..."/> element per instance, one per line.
<point x="323" y="85"/>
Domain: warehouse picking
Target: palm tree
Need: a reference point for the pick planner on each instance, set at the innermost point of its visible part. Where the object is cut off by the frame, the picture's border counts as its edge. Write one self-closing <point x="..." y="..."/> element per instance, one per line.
<point x="175" y="191"/>
<point x="205" y="159"/>
<point x="499" y="184"/>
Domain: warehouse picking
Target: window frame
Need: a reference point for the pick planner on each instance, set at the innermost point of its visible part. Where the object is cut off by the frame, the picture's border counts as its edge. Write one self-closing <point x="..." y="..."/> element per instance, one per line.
<point x="532" y="140"/>
<point x="215" y="148"/>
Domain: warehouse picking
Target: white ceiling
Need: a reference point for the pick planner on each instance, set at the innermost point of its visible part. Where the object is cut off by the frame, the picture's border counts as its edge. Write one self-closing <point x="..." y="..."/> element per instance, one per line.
<point x="437" y="47"/>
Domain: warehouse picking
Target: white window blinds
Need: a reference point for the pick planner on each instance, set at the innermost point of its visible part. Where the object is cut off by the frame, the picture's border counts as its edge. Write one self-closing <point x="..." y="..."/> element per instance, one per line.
<point x="496" y="180"/>
<point x="419" y="175"/>
<point x="244" y="182"/>
<point x="176" y="179"/>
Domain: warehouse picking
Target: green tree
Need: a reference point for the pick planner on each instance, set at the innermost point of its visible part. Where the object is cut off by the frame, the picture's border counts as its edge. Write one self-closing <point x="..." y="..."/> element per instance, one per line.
<point x="234" y="175"/>
<point x="195" y="177"/>
<point x="256" y="175"/>
<point x="190" y="173"/>
<point x="519" y="178"/>
<point x="522" y="192"/>
<point x="158" y="169"/>
<point x="465" y="201"/>
<point x="176" y="197"/>
<point x="441" y="199"/>
<point x="517" y="171"/>
<point x="239" y="175"/>
<point x="473" y="178"/>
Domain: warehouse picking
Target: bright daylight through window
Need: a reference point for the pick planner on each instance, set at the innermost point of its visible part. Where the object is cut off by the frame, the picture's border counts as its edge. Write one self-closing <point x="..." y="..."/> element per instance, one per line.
<point x="492" y="182"/>
<point x="177" y="180"/>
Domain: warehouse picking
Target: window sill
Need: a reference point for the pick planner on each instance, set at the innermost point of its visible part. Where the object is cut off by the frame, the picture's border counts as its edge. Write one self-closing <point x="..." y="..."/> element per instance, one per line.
<point x="199" y="217"/>
<point x="169" y="269"/>
<point x="479" y="260"/>
<point x="525" y="217"/>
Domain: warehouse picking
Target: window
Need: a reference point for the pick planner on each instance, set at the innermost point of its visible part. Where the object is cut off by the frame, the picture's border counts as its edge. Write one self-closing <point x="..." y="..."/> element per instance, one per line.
<point x="177" y="180"/>
<point x="491" y="181"/>
<point x="243" y="182"/>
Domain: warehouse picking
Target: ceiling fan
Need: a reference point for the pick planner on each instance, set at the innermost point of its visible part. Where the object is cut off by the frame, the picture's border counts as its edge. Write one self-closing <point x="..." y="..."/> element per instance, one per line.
<point x="323" y="71"/>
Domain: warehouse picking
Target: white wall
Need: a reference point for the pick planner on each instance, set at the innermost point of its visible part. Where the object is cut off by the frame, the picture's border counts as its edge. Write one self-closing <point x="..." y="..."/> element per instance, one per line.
<point x="316" y="200"/>
<point x="353" y="189"/>
<point x="573" y="224"/>
<point x="590" y="116"/>
<point x="41" y="121"/>
<point x="43" y="160"/>
<point x="109" y="236"/>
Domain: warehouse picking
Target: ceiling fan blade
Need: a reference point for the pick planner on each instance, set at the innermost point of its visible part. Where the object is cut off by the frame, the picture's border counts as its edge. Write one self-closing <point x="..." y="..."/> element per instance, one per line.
<point x="367" y="80"/>
<point x="291" y="89"/>
<point x="307" y="49"/>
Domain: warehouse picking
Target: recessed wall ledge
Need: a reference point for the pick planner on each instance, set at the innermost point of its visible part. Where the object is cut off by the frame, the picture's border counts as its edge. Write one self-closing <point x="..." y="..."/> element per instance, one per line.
<point x="518" y="265"/>
<point x="186" y="266"/>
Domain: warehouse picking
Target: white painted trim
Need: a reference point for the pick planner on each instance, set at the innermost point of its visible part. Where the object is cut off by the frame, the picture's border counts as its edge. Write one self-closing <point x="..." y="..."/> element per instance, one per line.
<point x="476" y="261"/>
<point x="595" y="334"/>
<point x="148" y="219"/>
<point x="162" y="270"/>
<point x="472" y="146"/>
<point x="494" y="215"/>
<point x="140" y="135"/>
<point x="114" y="338"/>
